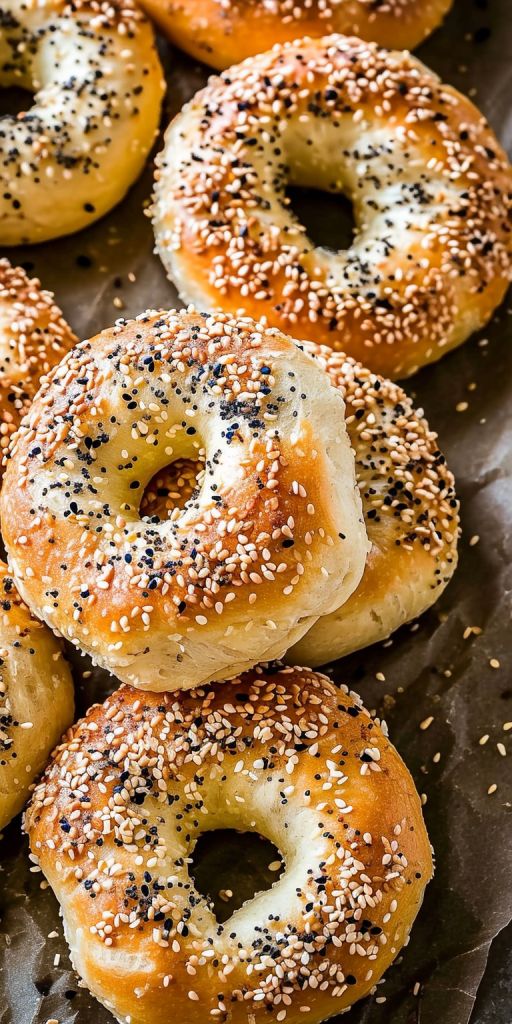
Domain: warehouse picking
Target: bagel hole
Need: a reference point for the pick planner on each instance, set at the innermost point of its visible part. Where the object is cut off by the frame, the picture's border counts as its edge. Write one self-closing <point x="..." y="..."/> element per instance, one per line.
<point x="328" y="217"/>
<point x="172" y="488"/>
<point x="15" y="100"/>
<point x="229" y="868"/>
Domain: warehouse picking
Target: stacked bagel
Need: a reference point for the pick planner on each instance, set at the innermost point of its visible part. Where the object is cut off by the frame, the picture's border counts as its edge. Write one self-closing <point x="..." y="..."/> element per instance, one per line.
<point x="204" y="502"/>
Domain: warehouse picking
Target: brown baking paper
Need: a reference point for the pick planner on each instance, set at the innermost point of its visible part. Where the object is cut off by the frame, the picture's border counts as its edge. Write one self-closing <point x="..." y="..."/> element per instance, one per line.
<point x="435" y="669"/>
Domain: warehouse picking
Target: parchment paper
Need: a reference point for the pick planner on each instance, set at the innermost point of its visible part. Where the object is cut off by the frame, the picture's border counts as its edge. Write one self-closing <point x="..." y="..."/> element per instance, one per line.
<point x="435" y="669"/>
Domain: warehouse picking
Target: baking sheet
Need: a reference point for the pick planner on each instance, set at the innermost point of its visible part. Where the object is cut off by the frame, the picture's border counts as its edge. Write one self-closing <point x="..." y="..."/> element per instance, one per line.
<point x="439" y="668"/>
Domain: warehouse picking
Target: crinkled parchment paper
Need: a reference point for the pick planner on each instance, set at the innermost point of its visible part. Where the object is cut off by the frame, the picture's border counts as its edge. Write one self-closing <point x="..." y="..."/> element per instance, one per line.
<point x="435" y="669"/>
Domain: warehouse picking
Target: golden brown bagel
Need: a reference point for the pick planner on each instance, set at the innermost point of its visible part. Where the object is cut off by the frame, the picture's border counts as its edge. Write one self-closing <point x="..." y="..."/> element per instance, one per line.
<point x="97" y="85"/>
<point x="34" y="336"/>
<point x="224" y="32"/>
<point x="410" y="512"/>
<point x="274" y="538"/>
<point x="279" y="751"/>
<point x="430" y="186"/>
<point x="36" y="698"/>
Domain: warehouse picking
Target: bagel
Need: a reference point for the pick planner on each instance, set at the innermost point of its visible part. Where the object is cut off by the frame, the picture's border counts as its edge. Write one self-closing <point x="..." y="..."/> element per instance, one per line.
<point x="36" y="698"/>
<point x="274" y="538"/>
<point x="98" y="84"/>
<point x="430" y="186"/>
<point x="410" y="512"/>
<point x="34" y="336"/>
<point x="224" y="32"/>
<point x="280" y="751"/>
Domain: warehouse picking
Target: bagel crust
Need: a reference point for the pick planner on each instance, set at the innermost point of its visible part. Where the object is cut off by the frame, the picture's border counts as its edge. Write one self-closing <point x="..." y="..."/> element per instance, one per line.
<point x="274" y="538"/>
<point x="410" y="511"/>
<point x="430" y="187"/>
<point x="279" y="751"/>
<point x="98" y="85"/>
<point x="224" y="32"/>
<point x="34" y="337"/>
<point x="36" y="698"/>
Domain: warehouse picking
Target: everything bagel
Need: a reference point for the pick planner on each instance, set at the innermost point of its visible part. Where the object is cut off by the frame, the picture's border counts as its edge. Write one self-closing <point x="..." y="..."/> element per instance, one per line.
<point x="430" y="187"/>
<point x="273" y="539"/>
<point x="280" y="751"/>
<point x="224" y="32"/>
<point x="72" y="156"/>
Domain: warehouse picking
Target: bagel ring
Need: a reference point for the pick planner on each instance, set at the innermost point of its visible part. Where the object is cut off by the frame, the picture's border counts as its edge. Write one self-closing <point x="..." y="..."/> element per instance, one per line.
<point x="98" y="86"/>
<point x="224" y="32"/>
<point x="274" y="538"/>
<point x="34" y="336"/>
<point x="430" y="186"/>
<point x="280" y="751"/>
<point x="36" y="698"/>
